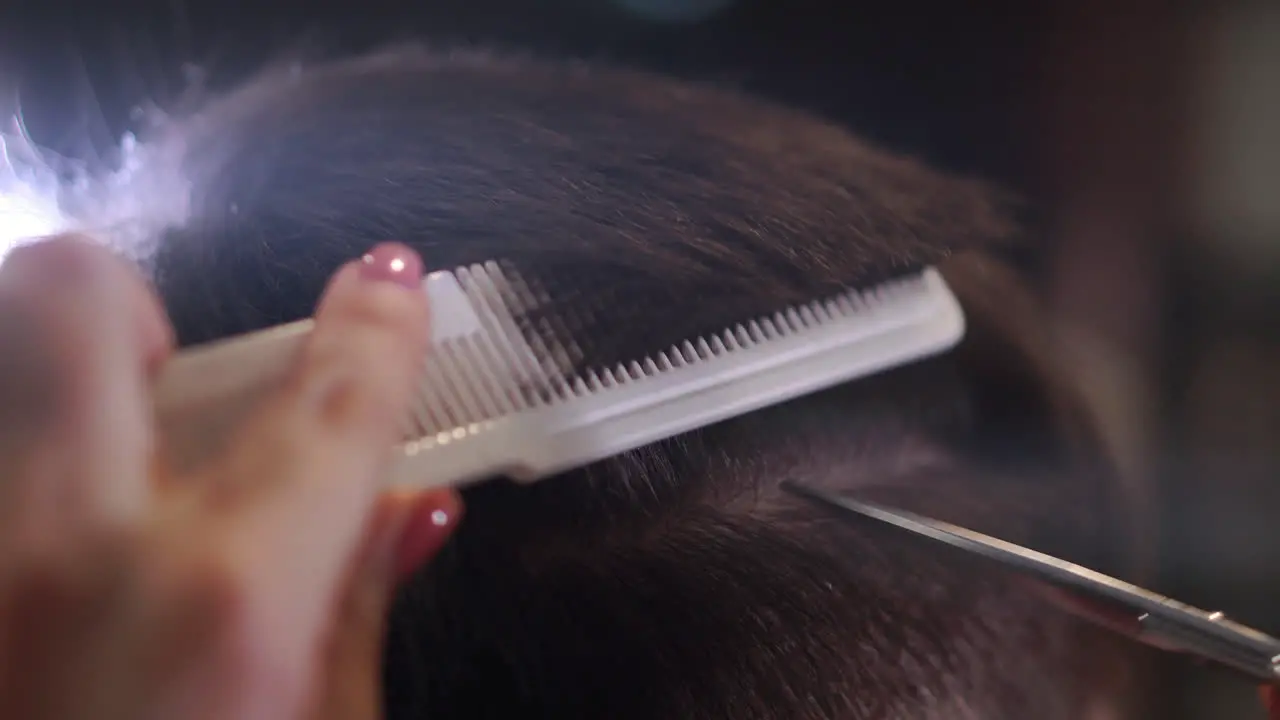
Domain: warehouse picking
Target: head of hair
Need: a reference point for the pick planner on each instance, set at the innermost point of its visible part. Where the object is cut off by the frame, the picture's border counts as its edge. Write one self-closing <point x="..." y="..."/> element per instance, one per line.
<point x="677" y="580"/>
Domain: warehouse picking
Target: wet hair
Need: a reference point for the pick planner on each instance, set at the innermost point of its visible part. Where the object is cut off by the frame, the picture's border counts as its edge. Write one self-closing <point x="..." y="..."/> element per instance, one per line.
<point x="677" y="581"/>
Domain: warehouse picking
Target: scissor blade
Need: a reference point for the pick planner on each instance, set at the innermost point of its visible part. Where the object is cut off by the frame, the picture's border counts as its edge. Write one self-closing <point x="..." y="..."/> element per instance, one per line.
<point x="1161" y="621"/>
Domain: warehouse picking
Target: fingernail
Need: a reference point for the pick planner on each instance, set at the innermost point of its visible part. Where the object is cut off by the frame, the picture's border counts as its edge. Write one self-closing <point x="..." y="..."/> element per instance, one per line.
<point x="1269" y="697"/>
<point x="392" y="262"/>
<point x="431" y="521"/>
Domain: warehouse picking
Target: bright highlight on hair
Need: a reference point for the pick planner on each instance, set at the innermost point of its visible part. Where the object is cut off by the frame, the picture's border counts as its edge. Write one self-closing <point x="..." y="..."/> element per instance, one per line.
<point x="126" y="205"/>
<point x="29" y="190"/>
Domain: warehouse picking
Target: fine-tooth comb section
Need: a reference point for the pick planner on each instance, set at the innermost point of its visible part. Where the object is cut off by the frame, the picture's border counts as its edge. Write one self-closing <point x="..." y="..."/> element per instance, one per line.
<point x="780" y="324"/>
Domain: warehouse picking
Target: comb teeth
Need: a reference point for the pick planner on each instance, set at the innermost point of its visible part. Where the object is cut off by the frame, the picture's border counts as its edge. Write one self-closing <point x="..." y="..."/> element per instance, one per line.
<point x="508" y="365"/>
<point x="487" y="373"/>
<point x="554" y="421"/>
<point x="784" y="323"/>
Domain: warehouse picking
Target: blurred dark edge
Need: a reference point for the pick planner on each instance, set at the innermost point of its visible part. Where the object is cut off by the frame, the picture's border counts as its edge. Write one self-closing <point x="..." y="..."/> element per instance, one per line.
<point x="1143" y="133"/>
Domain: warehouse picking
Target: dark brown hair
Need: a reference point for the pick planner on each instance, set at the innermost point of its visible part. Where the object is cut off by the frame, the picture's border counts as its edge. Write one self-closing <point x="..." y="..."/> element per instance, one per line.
<point x="676" y="581"/>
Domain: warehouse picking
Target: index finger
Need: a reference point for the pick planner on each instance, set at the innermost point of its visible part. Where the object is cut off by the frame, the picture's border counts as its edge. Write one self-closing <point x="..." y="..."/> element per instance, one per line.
<point x="81" y="330"/>
<point x="306" y="468"/>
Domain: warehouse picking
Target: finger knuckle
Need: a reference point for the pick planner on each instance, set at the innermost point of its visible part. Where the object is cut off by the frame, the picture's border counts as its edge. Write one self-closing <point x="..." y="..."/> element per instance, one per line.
<point x="367" y="363"/>
<point x="68" y="256"/>
<point x="41" y="580"/>
<point x="368" y="385"/>
<point x="214" y="601"/>
<point x="44" y="330"/>
<point x="62" y="579"/>
<point x="32" y="363"/>
<point x="209" y="591"/>
<point x="390" y="309"/>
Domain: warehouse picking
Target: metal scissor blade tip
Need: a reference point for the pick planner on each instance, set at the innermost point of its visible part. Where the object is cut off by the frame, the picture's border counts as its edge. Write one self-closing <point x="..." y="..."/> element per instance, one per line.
<point x="924" y="527"/>
<point x="1162" y="622"/>
<point x="1006" y="553"/>
<point x="1015" y="557"/>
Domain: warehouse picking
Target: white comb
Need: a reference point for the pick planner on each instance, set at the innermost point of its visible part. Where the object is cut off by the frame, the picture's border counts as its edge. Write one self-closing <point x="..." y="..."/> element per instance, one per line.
<point x="494" y="401"/>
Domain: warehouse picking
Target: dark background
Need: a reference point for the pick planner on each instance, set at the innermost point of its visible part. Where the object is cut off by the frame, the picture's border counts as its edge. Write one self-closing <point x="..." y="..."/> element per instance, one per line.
<point x="1139" y="131"/>
<point x="930" y="78"/>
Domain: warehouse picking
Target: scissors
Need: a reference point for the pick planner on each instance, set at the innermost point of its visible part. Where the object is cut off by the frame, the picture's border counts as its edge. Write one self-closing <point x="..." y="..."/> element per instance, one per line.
<point x="1147" y="617"/>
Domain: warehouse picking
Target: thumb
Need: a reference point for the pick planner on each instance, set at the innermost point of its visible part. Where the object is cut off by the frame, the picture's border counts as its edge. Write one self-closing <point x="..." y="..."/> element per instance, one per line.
<point x="404" y="532"/>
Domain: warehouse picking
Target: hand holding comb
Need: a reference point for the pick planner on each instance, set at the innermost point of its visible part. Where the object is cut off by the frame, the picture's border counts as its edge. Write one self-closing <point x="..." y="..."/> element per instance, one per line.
<point x="500" y="394"/>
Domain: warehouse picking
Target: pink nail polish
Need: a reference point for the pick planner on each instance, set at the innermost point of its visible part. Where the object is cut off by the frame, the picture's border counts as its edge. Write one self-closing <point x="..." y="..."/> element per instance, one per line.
<point x="430" y="527"/>
<point x="392" y="262"/>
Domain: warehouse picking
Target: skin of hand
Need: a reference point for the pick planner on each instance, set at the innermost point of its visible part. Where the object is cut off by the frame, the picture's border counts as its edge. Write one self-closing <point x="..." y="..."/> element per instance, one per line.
<point x="254" y="588"/>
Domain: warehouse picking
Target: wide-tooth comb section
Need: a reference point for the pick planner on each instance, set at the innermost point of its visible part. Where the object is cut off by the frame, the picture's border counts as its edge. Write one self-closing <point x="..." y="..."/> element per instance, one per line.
<point x="461" y="387"/>
<point x="549" y="331"/>
<point x="488" y="367"/>
<point x="548" y="334"/>
<point x="503" y="303"/>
